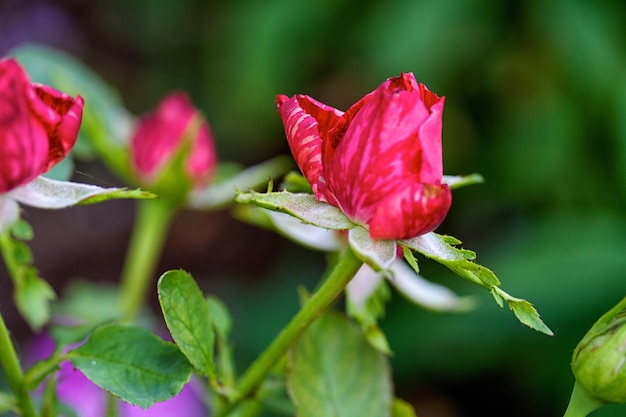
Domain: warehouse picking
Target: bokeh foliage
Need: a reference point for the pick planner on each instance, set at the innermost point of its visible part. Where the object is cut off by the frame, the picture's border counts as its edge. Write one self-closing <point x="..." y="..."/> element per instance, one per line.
<point x="535" y="102"/>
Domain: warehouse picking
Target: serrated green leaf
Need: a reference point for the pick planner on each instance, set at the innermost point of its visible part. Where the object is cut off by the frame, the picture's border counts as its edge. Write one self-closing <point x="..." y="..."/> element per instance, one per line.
<point x="21" y="253"/>
<point x="410" y="258"/>
<point x="461" y="261"/>
<point x="22" y="230"/>
<point x="525" y="312"/>
<point x="401" y="408"/>
<point x="133" y="364"/>
<point x="186" y="314"/>
<point x="440" y="249"/>
<point x="378" y="254"/>
<point x="333" y="371"/>
<point x="33" y="296"/>
<point x="52" y="194"/>
<point x="301" y="205"/>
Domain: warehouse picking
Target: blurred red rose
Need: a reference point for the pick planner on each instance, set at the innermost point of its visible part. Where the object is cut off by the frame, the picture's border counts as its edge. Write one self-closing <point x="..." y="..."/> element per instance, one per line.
<point x="160" y="135"/>
<point x="380" y="162"/>
<point x="38" y="126"/>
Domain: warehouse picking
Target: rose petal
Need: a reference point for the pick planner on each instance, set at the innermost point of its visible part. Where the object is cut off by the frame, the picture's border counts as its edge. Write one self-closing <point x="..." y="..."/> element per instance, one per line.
<point x="62" y="116"/>
<point x="411" y="211"/>
<point x="203" y="158"/>
<point x="303" y="117"/>
<point x="23" y="137"/>
<point x="431" y="170"/>
<point x="159" y="136"/>
<point x="380" y="147"/>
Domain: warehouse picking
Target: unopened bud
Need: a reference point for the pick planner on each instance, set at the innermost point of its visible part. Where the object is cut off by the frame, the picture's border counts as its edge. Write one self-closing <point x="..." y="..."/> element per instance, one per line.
<point x="599" y="361"/>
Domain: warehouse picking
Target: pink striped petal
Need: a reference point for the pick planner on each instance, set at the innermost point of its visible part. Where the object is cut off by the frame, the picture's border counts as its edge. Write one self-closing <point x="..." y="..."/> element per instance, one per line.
<point x="381" y="147"/>
<point x="303" y="119"/>
<point x="380" y="162"/>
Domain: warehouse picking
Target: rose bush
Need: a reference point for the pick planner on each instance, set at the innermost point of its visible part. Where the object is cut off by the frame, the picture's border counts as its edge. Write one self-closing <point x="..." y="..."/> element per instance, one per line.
<point x="38" y="126"/>
<point x="380" y="162"/>
<point x="161" y="134"/>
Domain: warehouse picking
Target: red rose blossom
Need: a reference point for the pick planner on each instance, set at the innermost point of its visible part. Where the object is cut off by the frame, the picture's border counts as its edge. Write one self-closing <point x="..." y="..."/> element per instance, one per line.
<point x="379" y="162"/>
<point x="38" y="126"/>
<point x="160" y="135"/>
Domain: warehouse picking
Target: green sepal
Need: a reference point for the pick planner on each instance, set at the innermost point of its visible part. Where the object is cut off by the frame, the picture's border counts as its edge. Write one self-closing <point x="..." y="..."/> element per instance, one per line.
<point x="461" y="261"/>
<point x="458" y="181"/>
<point x="379" y="254"/>
<point x="45" y="193"/>
<point x="304" y="206"/>
<point x="410" y="258"/>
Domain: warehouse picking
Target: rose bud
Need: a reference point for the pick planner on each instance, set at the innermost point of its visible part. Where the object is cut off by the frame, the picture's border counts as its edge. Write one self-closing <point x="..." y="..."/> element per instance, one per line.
<point x="38" y="126"/>
<point x="380" y="162"/>
<point x="599" y="361"/>
<point x="174" y="143"/>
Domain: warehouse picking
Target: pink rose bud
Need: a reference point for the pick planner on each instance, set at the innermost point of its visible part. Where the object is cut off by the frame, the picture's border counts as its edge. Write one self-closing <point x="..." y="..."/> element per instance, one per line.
<point x="160" y="136"/>
<point x="38" y="126"/>
<point x="379" y="162"/>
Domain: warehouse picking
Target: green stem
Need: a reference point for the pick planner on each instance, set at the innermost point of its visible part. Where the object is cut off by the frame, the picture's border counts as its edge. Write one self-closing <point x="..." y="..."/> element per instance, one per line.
<point x="581" y="404"/>
<point x="151" y="226"/>
<point x="8" y="355"/>
<point x="343" y="272"/>
<point x="13" y="372"/>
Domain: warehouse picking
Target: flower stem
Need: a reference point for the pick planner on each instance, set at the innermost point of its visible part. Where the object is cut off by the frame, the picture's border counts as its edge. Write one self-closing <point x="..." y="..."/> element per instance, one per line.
<point x="13" y="372"/>
<point x="343" y="272"/>
<point x="581" y="404"/>
<point x="151" y="226"/>
<point x="8" y="355"/>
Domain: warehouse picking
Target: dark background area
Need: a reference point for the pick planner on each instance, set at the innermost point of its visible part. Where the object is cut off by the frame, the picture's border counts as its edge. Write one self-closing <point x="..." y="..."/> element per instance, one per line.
<point x="535" y="102"/>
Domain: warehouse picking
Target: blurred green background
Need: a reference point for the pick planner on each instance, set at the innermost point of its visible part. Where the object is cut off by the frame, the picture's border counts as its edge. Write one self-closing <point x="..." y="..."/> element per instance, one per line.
<point x="535" y="102"/>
